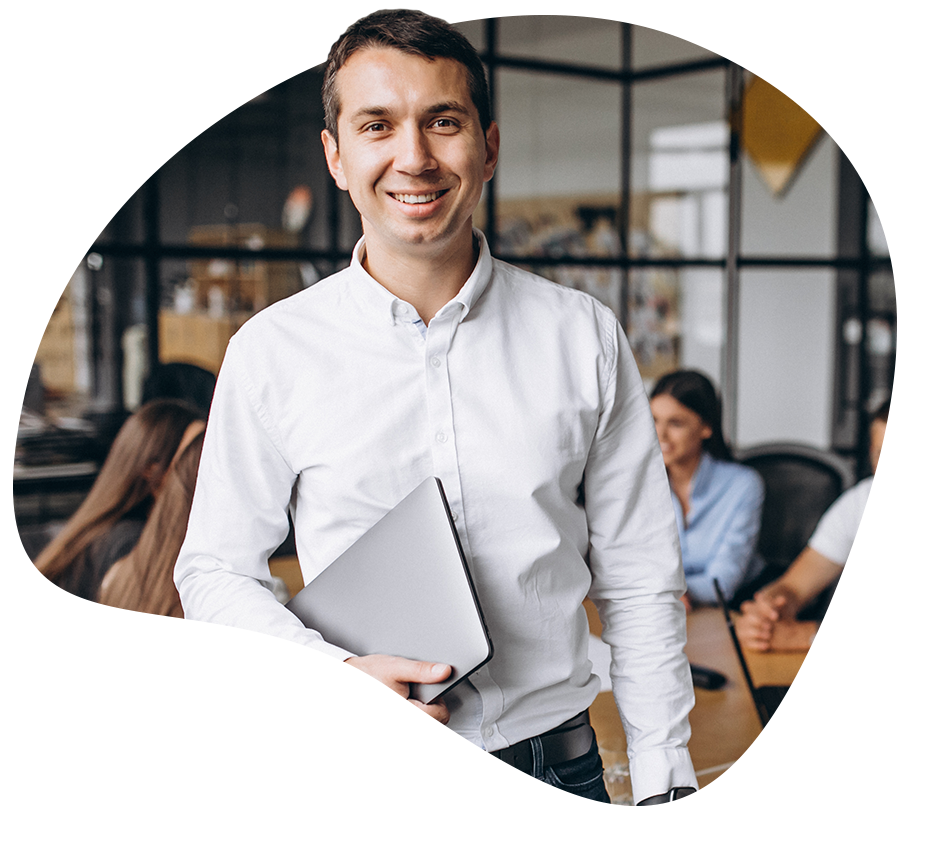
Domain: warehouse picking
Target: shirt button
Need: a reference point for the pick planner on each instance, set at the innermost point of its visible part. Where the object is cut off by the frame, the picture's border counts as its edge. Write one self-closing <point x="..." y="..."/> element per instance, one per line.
<point x="436" y="362"/>
<point x="441" y="437"/>
<point x="454" y="516"/>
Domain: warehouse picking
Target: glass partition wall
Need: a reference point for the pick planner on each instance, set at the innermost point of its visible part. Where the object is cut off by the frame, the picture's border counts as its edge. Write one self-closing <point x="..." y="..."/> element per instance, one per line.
<point x="624" y="171"/>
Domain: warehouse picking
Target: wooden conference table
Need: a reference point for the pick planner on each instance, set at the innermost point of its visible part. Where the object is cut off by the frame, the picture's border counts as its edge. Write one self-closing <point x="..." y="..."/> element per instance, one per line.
<point x="724" y="722"/>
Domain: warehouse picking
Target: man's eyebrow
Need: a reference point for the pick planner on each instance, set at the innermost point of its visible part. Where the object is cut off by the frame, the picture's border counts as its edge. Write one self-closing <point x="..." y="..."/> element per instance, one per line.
<point x="444" y="107"/>
<point x="381" y="111"/>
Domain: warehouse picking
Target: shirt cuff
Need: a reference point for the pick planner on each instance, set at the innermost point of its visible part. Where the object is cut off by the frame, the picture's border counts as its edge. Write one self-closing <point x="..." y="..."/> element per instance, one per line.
<point x="658" y="771"/>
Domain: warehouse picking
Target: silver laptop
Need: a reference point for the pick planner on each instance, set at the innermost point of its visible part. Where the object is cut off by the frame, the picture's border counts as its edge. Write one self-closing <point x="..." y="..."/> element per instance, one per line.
<point x="403" y="588"/>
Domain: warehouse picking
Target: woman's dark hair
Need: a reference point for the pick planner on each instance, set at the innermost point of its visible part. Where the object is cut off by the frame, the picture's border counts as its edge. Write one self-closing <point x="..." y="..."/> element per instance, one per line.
<point x="136" y="463"/>
<point x="412" y="32"/>
<point x="881" y="413"/>
<point x="148" y="673"/>
<point x="695" y="390"/>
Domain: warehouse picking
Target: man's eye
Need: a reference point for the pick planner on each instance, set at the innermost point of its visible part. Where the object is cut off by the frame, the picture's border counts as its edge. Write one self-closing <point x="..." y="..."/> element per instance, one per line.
<point x="374" y="127"/>
<point x="444" y="122"/>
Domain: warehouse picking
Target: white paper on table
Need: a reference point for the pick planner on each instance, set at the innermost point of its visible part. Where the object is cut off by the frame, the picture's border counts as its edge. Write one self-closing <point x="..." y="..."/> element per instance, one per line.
<point x="804" y="786"/>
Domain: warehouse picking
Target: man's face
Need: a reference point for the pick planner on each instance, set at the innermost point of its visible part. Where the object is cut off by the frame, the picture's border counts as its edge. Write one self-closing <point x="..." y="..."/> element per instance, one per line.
<point x="883" y="456"/>
<point x="410" y="152"/>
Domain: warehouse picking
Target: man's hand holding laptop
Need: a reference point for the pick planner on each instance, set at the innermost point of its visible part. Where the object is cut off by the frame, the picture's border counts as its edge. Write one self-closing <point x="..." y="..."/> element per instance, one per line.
<point x="370" y="699"/>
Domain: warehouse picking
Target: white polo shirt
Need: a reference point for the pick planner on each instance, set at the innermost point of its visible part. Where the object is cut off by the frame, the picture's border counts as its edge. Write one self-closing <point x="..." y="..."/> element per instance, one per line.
<point x="862" y="523"/>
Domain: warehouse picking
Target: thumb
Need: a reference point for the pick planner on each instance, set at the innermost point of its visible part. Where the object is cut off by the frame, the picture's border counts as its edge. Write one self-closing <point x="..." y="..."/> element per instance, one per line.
<point x="423" y="672"/>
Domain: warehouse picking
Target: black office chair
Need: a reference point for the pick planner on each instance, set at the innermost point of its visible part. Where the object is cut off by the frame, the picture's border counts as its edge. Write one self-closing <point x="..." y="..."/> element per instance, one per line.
<point x="800" y="483"/>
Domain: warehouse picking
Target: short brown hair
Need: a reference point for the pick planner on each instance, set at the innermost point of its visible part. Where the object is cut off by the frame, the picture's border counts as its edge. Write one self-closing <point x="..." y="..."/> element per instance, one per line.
<point x="412" y="32"/>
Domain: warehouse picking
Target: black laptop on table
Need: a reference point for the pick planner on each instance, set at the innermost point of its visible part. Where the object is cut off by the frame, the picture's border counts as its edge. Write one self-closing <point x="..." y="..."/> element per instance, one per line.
<point x="820" y="720"/>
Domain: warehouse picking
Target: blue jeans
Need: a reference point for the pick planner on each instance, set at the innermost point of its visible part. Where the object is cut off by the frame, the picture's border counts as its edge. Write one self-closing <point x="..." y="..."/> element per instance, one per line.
<point x="578" y="782"/>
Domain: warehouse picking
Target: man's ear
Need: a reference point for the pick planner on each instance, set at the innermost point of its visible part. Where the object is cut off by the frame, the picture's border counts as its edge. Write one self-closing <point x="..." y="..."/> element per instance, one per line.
<point x="333" y="159"/>
<point x="492" y="148"/>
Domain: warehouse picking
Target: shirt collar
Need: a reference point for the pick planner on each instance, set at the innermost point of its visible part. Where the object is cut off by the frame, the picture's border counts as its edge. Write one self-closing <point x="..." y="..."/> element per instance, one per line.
<point x="379" y="297"/>
<point x="703" y="476"/>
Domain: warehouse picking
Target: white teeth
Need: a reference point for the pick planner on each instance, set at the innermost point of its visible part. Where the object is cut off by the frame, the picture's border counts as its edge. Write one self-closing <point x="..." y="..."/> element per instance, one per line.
<point x="407" y="199"/>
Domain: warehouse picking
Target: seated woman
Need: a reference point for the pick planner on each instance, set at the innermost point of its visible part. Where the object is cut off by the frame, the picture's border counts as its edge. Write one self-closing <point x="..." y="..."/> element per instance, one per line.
<point x="179" y="730"/>
<point x="54" y="600"/>
<point x="717" y="502"/>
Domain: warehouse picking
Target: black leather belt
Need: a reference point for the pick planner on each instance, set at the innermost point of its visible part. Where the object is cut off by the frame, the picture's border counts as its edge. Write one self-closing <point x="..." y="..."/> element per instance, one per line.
<point x="569" y="741"/>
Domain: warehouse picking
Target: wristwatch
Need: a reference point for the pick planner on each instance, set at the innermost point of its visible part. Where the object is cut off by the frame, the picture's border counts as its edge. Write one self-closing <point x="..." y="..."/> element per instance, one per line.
<point x="668" y="796"/>
<point x="820" y="641"/>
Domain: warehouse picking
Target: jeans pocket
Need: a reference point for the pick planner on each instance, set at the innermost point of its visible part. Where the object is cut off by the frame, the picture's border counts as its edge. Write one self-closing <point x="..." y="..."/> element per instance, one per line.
<point x="583" y="772"/>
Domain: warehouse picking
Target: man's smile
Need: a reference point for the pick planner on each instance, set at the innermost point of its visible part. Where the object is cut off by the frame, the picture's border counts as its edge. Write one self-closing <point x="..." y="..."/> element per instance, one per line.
<point x="417" y="198"/>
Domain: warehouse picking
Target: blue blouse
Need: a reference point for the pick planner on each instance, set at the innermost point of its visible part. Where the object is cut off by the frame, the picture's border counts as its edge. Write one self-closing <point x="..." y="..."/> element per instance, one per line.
<point x="718" y="539"/>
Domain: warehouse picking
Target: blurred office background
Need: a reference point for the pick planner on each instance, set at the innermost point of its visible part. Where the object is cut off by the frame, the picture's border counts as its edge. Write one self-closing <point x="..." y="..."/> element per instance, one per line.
<point x="721" y="223"/>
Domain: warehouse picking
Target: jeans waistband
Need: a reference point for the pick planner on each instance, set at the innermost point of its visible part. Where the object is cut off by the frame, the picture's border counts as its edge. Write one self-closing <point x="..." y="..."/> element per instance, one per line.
<point x="567" y="741"/>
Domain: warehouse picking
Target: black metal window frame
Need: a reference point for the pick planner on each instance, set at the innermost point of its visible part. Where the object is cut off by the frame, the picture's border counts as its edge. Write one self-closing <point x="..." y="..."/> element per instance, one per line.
<point x="853" y="259"/>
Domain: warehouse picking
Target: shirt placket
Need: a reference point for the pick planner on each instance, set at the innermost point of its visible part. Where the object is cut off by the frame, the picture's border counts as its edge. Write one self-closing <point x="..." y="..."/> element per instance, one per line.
<point x="438" y="341"/>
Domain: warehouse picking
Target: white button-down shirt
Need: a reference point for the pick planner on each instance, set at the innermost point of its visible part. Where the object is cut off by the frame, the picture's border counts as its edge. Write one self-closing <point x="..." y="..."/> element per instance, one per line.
<point x="861" y="524"/>
<point x="335" y="403"/>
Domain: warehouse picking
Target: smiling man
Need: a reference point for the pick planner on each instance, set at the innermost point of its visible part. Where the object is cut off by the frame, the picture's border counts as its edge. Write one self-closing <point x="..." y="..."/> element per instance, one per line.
<point x="428" y="357"/>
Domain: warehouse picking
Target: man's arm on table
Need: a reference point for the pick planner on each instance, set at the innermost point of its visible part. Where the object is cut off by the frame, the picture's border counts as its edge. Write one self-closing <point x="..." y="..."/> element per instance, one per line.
<point x="768" y="621"/>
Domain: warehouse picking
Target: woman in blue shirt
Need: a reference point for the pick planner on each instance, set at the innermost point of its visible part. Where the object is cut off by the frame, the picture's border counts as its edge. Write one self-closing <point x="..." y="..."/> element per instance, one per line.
<point x="717" y="502"/>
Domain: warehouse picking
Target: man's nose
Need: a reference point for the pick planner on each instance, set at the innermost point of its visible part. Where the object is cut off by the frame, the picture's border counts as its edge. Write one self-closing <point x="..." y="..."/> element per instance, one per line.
<point x="413" y="154"/>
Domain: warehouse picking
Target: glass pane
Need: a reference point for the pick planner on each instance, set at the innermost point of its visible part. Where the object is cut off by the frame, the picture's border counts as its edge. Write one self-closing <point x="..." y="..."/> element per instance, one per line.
<point x="573" y="40"/>
<point x="881" y="337"/>
<point x="882" y="225"/>
<point x="789" y="203"/>
<point x="204" y="301"/>
<point x="52" y="318"/>
<point x="75" y="117"/>
<point x="468" y="21"/>
<point x="702" y="320"/>
<point x="261" y="165"/>
<point x="676" y="39"/>
<point x="560" y="136"/>
<point x="786" y="356"/>
<point x="680" y="167"/>
<point x="558" y="178"/>
<point x="79" y="362"/>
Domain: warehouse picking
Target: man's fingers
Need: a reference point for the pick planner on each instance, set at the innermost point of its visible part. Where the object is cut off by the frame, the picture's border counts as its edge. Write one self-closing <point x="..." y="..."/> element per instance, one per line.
<point x="438" y="710"/>
<point x="415" y="671"/>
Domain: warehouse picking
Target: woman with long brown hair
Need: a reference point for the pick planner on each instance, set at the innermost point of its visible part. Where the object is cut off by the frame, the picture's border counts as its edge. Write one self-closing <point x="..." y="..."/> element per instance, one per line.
<point x="55" y="598"/>
<point x="62" y="581"/>
<point x="179" y="731"/>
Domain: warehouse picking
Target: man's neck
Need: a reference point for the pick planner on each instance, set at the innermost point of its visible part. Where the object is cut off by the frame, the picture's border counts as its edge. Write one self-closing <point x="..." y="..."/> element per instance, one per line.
<point x="426" y="280"/>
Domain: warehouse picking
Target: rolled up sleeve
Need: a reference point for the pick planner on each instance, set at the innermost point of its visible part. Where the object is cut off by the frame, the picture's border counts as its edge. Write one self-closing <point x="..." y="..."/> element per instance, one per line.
<point x="637" y="581"/>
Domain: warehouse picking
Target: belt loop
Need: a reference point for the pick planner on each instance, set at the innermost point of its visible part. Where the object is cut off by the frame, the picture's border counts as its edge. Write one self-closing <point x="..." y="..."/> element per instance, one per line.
<point x="538" y="760"/>
<point x="399" y="772"/>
